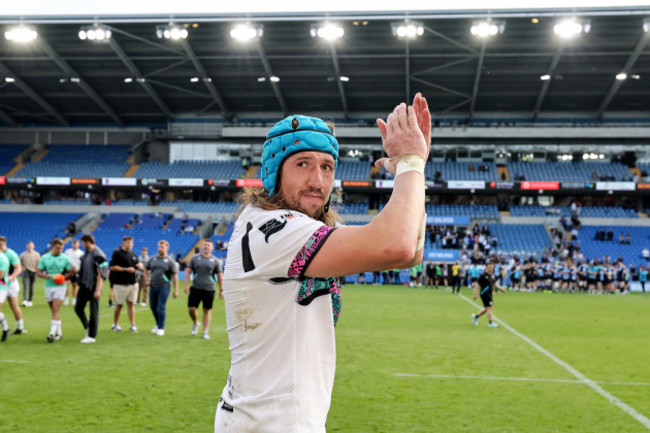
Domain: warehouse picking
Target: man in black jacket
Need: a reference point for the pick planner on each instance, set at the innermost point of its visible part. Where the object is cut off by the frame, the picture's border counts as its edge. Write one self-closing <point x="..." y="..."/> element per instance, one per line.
<point x="93" y="272"/>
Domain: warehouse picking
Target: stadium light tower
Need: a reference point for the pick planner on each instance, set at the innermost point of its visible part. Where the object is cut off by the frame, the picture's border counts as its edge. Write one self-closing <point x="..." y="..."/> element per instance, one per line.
<point x="484" y="29"/>
<point x="21" y="34"/>
<point x="328" y="31"/>
<point x="171" y="31"/>
<point x="407" y="29"/>
<point x="95" y="33"/>
<point x="246" y="32"/>
<point x="570" y="28"/>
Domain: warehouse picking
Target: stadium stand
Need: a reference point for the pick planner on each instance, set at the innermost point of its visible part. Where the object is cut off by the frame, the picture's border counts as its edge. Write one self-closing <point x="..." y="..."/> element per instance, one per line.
<point x="569" y="171"/>
<point x="146" y="230"/>
<point x="631" y="254"/>
<point x="7" y="155"/>
<point x="80" y="161"/>
<point x="472" y="210"/>
<point x="230" y="169"/>
<point x="353" y="208"/>
<point x="530" y="239"/>
<point x="486" y="171"/>
<point x="353" y="170"/>
<point x="188" y="206"/>
<point x="559" y="211"/>
<point x="41" y="228"/>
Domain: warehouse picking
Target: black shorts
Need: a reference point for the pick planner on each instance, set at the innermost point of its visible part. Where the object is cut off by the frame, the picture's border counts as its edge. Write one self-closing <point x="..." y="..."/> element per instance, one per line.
<point x="197" y="296"/>
<point x="487" y="299"/>
<point x="74" y="278"/>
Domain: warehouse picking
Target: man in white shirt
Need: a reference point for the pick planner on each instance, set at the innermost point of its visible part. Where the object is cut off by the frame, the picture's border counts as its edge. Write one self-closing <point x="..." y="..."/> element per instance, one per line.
<point x="74" y="254"/>
<point x="281" y="297"/>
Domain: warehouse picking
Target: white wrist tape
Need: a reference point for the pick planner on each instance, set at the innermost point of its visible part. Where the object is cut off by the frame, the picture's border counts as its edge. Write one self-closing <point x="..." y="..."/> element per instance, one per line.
<point x="410" y="163"/>
<point x="423" y="230"/>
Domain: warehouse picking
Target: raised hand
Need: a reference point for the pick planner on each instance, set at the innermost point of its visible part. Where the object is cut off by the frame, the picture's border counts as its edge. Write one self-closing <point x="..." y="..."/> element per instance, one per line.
<point x="407" y="131"/>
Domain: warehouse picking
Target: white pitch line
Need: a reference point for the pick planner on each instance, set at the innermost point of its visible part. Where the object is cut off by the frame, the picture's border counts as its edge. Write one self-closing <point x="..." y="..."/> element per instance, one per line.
<point x="14" y="361"/>
<point x="581" y="377"/>
<point x="521" y="379"/>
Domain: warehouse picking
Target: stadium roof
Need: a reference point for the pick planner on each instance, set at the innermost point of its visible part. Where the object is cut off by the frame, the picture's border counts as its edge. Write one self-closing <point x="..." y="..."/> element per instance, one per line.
<point x="62" y="80"/>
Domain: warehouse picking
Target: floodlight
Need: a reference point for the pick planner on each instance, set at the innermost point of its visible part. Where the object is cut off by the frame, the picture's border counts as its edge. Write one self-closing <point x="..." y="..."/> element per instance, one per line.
<point x="21" y="34"/>
<point x="246" y="32"/>
<point x="646" y="25"/>
<point x="10" y="80"/>
<point x="569" y="28"/>
<point x="95" y="33"/>
<point x="329" y="31"/>
<point x="171" y="31"/>
<point x="545" y="77"/>
<point x="483" y="29"/>
<point x="344" y="78"/>
<point x="407" y="29"/>
<point x="621" y="77"/>
<point x="274" y="79"/>
<point x="194" y="79"/>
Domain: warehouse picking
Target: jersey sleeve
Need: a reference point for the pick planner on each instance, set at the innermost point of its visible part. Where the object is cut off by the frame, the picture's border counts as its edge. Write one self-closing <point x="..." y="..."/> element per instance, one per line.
<point x="279" y="244"/>
<point x="41" y="264"/>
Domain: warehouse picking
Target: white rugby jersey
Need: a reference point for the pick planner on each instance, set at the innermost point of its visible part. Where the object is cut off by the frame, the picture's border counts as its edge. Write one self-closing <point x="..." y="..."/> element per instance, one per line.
<point x="280" y="326"/>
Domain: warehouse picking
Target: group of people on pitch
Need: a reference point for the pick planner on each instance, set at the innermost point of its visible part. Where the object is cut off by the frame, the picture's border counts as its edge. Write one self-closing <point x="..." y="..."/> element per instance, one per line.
<point x="159" y="272"/>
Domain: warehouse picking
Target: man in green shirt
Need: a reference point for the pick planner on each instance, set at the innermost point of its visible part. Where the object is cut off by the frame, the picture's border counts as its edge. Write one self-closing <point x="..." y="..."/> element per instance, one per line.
<point x="13" y="287"/>
<point x="51" y="265"/>
<point x="4" y="270"/>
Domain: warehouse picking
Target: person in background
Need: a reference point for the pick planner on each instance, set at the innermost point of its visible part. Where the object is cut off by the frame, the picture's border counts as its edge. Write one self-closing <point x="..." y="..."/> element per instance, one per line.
<point x="92" y="273"/>
<point x="207" y="271"/>
<point x="142" y="277"/>
<point x="162" y="269"/>
<point x="29" y="261"/>
<point x="486" y="283"/>
<point x="54" y="267"/>
<point x="74" y="254"/>
<point x="13" y="293"/>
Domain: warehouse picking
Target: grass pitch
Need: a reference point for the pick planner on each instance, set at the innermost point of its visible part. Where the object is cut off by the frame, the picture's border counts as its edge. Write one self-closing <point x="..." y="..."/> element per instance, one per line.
<point x="409" y="360"/>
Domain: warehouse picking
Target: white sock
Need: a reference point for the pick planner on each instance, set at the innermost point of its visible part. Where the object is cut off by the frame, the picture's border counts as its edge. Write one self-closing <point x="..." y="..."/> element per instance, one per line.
<point x="20" y="324"/>
<point x="3" y="321"/>
<point x="53" y="326"/>
<point x="58" y="327"/>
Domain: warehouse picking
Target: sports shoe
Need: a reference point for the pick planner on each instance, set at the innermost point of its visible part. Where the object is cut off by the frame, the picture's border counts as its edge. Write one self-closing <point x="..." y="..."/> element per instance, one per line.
<point x="206" y="336"/>
<point x="116" y="328"/>
<point x="5" y="335"/>
<point x="133" y="329"/>
<point x="20" y="331"/>
<point x="474" y="319"/>
<point x="155" y="329"/>
<point x="195" y="328"/>
<point x="66" y="301"/>
<point x="50" y="338"/>
<point x="30" y="304"/>
<point x="58" y="336"/>
<point x="25" y="303"/>
<point x="143" y="304"/>
<point x="87" y="340"/>
<point x="74" y="301"/>
<point x="160" y="332"/>
<point x="493" y="325"/>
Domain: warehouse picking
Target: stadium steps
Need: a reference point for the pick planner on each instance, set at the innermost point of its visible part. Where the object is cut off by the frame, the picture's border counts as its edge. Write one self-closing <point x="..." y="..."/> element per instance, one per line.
<point x="41" y="155"/>
<point x="250" y="173"/>
<point x="190" y="253"/>
<point x="501" y="170"/>
<point x="131" y="171"/>
<point x="15" y="170"/>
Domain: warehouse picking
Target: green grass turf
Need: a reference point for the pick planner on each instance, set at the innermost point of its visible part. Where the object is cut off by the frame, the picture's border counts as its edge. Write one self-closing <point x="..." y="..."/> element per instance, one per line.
<point x="140" y="382"/>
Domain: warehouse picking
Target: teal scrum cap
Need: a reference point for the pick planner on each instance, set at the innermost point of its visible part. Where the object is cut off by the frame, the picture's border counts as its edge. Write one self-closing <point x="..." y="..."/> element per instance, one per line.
<point x="294" y="134"/>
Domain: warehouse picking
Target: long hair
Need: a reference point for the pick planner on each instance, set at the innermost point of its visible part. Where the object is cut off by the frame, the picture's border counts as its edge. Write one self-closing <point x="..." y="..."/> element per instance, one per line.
<point x="260" y="197"/>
